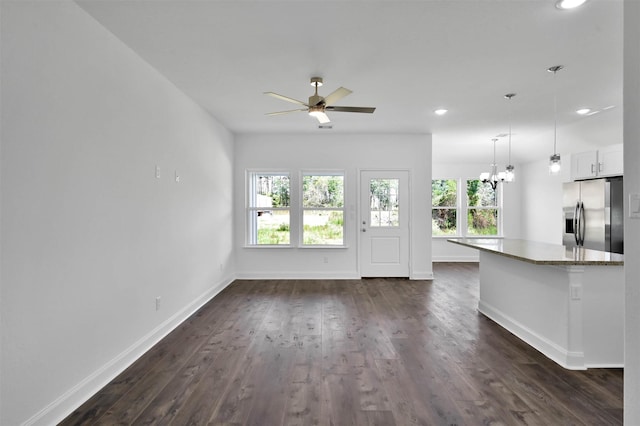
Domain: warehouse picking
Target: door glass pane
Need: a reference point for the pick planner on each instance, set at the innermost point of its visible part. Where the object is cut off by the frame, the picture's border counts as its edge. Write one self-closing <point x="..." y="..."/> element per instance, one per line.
<point x="383" y="202"/>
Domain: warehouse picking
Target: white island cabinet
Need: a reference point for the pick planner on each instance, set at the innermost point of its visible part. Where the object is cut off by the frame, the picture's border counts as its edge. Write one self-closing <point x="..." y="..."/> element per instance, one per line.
<point x="567" y="303"/>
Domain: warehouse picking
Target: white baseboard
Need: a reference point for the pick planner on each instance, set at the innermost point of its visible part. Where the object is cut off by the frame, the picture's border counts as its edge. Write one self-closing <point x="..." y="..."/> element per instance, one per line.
<point x="298" y="275"/>
<point x="421" y="275"/>
<point x="568" y="360"/>
<point x="474" y="259"/>
<point x="80" y="393"/>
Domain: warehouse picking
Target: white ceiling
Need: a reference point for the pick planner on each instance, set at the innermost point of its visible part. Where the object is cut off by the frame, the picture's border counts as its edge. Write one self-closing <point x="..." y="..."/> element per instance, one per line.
<point x="406" y="58"/>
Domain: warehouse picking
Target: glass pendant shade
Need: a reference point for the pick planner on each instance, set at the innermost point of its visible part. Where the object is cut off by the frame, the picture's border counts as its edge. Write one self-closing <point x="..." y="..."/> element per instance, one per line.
<point x="554" y="164"/>
<point x="509" y="175"/>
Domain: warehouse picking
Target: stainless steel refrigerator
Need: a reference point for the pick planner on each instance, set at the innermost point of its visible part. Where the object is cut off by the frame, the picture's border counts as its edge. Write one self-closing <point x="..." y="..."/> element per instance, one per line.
<point x="593" y="214"/>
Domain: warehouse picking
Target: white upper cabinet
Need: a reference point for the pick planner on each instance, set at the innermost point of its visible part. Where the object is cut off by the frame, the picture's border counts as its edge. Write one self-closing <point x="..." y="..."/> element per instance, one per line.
<point x="611" y="161"/>
<point x="607" y="161"/>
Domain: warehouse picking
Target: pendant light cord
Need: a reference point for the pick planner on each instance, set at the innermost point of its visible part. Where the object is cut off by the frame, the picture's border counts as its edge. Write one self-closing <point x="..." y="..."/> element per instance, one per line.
<point x="555" y="111"/>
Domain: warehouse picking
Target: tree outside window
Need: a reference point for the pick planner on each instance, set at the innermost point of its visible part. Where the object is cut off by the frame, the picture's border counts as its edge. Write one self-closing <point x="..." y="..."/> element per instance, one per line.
<point x="323" y="209"/>
<point x="444" y="202"/>
<point x="482" y="209"/>
<point x="269" y="209"/>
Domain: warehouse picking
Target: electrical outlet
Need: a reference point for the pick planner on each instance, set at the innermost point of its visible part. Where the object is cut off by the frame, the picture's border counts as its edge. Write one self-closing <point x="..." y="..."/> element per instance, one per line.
<point x="158" y="303"/>
<point x="157" y="172"/>
<point x="326" y="259"/>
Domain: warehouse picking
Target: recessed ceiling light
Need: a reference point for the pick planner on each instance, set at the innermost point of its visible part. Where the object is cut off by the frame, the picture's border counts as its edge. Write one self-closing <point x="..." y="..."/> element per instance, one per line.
<point x="569" y="4"/>
<point x="441" y="111"/>
<point x="583" y="111"/>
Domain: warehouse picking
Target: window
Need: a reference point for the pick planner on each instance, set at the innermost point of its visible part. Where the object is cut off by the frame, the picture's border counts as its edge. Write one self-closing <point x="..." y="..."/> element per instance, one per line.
<point x="444" y="202"/>
<point x="268" y="209"/>
<point x="451" y="216"/>
<point x="384" y="202"/>
<point x="482" y="209"/>
<point x="322" y="209"/>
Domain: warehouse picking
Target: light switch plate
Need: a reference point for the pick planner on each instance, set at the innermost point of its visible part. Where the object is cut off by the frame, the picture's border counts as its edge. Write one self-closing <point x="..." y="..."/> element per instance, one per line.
<point x="634" y="205"/>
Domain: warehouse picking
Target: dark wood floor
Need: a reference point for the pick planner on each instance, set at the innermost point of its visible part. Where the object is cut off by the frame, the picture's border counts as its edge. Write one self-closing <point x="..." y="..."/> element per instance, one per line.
<point x="342" y="352"/>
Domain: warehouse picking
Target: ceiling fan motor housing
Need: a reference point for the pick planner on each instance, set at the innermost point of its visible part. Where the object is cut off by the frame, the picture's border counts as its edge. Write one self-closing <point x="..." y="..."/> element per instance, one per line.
<point x="316" y="100"/>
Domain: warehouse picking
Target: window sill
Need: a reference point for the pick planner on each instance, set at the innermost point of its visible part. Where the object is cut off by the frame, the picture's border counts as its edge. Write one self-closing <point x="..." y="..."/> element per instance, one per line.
<point x="324" y="247"/>
<point x="269" y="246"/>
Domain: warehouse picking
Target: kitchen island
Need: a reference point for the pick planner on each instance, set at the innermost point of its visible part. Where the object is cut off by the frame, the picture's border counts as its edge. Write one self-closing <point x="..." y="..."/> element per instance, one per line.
<point x="568" y="303"/>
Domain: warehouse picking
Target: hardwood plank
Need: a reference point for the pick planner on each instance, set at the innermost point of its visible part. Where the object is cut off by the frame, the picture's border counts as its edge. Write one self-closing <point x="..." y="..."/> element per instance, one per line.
<point x="379" y="351"/>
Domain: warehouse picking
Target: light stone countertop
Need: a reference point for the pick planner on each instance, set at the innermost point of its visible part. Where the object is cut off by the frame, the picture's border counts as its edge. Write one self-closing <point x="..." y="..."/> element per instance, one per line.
<point x="541" y="253"/>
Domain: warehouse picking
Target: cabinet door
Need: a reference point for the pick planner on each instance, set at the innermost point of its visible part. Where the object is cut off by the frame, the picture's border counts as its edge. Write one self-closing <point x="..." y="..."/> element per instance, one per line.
<point x="584" y="165"/>
<point x="610" y="161"/>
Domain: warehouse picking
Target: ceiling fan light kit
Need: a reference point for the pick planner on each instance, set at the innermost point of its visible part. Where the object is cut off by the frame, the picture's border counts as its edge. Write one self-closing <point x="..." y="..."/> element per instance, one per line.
<point x="569" y="4"/>
<point x="318" y="105"/>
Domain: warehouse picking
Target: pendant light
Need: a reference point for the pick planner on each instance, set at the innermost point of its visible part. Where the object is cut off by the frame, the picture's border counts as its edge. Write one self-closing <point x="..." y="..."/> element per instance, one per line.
<point x="509" y="174"/>
<point x="493" y="177"/>
<point x="554" y="160"/>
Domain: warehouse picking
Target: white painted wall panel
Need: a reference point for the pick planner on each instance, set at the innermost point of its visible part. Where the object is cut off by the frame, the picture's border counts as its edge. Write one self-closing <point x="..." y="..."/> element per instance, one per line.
<point x="90" y="237"/>
<point x="340" y="152"/>
<point x="632" y="226"/>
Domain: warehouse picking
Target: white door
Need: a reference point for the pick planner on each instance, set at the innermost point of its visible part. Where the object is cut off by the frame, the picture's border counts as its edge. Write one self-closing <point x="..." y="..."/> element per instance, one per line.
<point x="384" y="223"/>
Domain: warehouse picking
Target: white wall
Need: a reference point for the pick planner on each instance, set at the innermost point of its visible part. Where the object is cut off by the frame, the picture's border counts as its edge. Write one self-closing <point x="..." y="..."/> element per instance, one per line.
<point x="350" y="153"/>
<point x="90" y="237"/>
<point x="444" y="251"/>
<point x="632" y="226"/>
<point x="542" y="200"/>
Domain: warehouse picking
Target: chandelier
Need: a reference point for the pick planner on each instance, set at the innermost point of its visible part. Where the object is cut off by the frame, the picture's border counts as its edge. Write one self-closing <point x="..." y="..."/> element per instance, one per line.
<point x="493" y="178"/>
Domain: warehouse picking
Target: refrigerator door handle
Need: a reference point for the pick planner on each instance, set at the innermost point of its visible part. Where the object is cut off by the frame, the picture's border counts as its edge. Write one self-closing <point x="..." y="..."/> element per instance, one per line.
<point x="583" y="226"/>
<point x="576" y="222"/>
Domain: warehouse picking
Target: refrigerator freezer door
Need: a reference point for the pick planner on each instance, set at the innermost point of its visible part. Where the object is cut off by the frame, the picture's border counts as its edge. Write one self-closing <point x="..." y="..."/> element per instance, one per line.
<point x="571" y="198"/>
<point x="593" y="194"/>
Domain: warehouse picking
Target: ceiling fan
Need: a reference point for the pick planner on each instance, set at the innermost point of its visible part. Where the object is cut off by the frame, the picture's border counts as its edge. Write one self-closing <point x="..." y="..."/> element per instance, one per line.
<point x="318" y="105"/>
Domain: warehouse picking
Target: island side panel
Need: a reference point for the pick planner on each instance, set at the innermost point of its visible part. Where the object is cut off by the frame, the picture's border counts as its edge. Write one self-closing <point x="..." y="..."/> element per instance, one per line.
<point x="532" y="302"/>
<point x="603" y="316"/>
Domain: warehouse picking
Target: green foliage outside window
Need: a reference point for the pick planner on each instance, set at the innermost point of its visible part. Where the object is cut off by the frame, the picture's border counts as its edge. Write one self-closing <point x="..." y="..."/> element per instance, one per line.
<point x="480" y="219"/>
<point x="323" y="215"/>
<point x="444" y="202"/>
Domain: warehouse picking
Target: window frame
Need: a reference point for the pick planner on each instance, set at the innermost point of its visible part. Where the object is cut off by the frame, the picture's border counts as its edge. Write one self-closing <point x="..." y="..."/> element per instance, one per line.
<point x="303" y="208"/>
<point x="462" y="209"/>
<point x="251" y="225"/>
<point x="497" y="207"/>
<point x="457" y="207"/>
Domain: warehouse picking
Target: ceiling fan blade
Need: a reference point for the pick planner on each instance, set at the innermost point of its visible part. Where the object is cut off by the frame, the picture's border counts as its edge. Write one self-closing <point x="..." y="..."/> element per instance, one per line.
<point x="286" y="112"/>
<point x="368" y="110"/>
<point x="285" y="98"/>
<point x="336" y="95"/>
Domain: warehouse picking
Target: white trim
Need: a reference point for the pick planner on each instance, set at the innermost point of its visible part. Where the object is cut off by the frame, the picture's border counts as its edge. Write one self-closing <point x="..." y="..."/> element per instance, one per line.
<point x="474" y="259"/>
<point x="568" y="360"/>
<point x="64" y="405"/>
<point x="298" y="275"/>
<point x="425" y="275"/>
